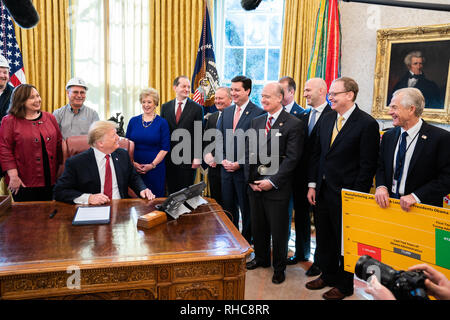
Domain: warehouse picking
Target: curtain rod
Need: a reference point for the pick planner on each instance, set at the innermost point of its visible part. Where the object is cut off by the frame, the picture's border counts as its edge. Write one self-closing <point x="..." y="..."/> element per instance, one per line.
<point x="406" y="4"/>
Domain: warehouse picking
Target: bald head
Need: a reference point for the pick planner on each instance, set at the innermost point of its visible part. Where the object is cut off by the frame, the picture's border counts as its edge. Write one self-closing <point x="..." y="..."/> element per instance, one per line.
<point x="315" y="92"/>
<point x="271" y="97"/>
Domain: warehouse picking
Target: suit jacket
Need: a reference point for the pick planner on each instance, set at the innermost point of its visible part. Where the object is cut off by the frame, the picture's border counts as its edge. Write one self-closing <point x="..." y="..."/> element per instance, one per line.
<point x="81" y="176"/>
<point x="290" y="144"/>
<point x="296" y="110"/>
<point x="211" y="123"/>
<point x="351" y="162"/>
<point x="192" y="112"/>
<point x="428" y="175"/>
<point x="302" y="168"/>
<point x="250" y="112"/>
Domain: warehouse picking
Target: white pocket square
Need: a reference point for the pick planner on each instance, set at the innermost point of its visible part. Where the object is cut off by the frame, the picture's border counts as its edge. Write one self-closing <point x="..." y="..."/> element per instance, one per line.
<point x="279" y="134"/>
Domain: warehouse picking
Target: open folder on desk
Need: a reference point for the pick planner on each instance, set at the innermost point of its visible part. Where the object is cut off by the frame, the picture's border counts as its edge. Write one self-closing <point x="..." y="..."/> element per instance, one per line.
<point x="92" y="215"/>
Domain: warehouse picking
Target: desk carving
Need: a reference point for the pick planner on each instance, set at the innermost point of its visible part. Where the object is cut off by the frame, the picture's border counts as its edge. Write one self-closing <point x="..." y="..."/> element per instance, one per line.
<point x="120" y="261"/>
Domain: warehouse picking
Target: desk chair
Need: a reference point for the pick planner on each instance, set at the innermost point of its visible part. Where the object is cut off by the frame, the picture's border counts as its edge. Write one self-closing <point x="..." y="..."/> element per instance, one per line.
<point x="77" y="144"/>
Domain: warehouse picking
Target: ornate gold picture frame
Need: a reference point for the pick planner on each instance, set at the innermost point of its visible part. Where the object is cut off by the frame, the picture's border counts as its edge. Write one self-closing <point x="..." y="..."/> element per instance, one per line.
<point x="391" y="71"/>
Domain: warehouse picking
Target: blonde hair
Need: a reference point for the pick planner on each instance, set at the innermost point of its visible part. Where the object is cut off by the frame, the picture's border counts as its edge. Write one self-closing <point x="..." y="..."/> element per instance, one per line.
<point x="98" y="129"/>
<point x="150" y="92"/>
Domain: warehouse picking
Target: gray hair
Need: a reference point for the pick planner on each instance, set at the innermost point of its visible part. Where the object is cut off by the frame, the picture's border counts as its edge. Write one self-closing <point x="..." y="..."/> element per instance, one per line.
<point x="227" y="90"/>
<point x="411" y="97"/>
<point x="415" y="54"/>
<point x="98" y="129"/>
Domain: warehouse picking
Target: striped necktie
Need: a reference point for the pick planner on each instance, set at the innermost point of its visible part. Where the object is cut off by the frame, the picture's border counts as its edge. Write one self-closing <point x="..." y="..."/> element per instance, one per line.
<point x="269" y="124"/>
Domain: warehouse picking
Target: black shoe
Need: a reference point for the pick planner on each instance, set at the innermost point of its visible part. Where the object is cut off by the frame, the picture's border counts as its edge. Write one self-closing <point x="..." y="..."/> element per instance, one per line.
<point x="313" y="271"/>
<point x="278" y="277"/>
<point x="294" y="259"/>
<point x="255" y="264"/>
<point x="291" y="260"/>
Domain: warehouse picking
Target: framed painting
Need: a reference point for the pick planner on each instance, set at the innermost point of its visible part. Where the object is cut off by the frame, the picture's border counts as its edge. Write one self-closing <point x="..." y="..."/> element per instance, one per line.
<point x="414" y="57"/>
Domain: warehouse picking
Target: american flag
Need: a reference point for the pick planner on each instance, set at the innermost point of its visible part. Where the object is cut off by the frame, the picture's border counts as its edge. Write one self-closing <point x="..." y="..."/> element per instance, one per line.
<point x="10" y="49"/>
<point x="205" y="79"/>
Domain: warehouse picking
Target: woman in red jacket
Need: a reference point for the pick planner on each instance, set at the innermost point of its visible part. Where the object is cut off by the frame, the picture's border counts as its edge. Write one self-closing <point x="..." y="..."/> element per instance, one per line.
<point x="30" y="147"/>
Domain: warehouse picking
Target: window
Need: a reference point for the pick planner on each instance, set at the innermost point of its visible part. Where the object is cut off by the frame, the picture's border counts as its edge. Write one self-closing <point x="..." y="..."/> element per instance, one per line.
<point x="249" y="42"/>
<point x="110" y="52"/>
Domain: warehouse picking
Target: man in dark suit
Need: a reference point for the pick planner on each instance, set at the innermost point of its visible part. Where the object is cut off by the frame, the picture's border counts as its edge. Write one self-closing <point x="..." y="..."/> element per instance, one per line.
<point x="290" y="106"/>
<point x="101" y="173"/>
<point x="182" y="113"/>
<point x="289" y="87"/>
<point x="315" y="92"/>
<point x="279" y="137"/>
<point x="344" y="156"/>
<point x="222" y="100"/>
<point x="414" y="161"/>
<point x="415" y="78"/>
<point x="235" y="122"/>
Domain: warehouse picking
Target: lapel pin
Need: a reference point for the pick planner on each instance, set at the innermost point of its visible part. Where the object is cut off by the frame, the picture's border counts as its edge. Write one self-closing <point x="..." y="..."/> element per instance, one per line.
<point x="295" y="112"/>
<point x="281" y="124"/>
<point x="246" y="112"/>
<point x="424" y="137"/>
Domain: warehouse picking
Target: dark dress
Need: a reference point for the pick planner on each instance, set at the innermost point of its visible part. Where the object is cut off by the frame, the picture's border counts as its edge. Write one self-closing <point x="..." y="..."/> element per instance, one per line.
<point x="148" y="142"/>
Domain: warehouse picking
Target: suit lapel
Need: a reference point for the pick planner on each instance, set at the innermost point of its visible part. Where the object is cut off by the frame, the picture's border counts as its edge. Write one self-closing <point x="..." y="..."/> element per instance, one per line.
<point x="244" y="115"/>
<point x="171" y="113"/>
<point x="390" y="151"/>
<point x="420" y="144"/>
<point x="278" y="124"/>
<point x="93" y="169"/>
<point x="119" y="173"/>
<point x="185" y="111"/>
<point x="348" y="126"/>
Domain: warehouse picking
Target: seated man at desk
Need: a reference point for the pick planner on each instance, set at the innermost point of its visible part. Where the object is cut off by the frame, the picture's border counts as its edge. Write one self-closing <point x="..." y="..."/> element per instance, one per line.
<point x="101" y="173"/>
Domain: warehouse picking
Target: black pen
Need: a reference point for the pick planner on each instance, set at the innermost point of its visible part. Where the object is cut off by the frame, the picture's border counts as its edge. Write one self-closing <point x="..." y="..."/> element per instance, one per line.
<point x="53" y="213"/>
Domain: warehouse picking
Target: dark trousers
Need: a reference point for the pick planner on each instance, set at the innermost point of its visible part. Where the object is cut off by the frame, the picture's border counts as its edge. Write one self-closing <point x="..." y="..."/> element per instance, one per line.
<point x="234" y="197"/>
<point x="270" y="219"/>
<point x="302" y="223"/>
<point x="328" y="237"/>
<point x="215" y="183"/>
<point x="178" y="177"/>
<point x="34" y="194"/>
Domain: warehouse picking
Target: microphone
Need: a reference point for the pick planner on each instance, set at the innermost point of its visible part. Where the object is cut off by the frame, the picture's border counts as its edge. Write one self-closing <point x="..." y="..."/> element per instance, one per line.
<point x="250" y="4"/>
<point x="23" y="12"/>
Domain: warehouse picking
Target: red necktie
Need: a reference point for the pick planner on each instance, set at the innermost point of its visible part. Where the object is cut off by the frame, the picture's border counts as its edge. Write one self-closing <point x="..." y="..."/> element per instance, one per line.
<point x="268" y="125"/>
<point x="108" y="179"/>
<point x="178" y="114"/>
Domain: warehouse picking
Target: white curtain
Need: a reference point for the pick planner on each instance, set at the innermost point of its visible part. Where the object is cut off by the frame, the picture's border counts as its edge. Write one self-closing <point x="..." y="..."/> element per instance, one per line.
<point x="114" y="85"/>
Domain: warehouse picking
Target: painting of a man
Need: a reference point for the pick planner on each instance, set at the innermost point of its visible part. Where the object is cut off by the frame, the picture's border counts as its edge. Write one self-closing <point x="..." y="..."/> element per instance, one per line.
<point x="415" y="78"/>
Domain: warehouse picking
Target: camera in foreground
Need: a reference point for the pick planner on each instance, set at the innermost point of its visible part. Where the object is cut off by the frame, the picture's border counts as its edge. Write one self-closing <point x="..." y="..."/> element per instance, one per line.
<point x="405" y="285"/>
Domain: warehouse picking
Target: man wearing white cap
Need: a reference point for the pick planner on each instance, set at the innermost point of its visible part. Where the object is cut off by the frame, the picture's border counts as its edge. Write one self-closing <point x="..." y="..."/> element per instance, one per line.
<point x="75" y="118"/>
<point x="5" y="88"/>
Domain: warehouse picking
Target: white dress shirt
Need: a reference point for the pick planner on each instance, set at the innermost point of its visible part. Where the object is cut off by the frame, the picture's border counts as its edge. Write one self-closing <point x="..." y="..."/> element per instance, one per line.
<point x="319" y="111"/>
<point x="411" y="141"/>
<point x="182" y="106"/>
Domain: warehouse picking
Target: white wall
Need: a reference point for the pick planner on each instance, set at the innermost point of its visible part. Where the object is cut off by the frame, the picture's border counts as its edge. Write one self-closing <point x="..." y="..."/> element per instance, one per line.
<point x="359" y="25"/>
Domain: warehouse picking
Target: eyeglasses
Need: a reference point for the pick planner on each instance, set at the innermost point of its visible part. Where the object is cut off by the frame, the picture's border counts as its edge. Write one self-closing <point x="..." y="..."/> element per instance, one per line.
<point x="333" y="94"/>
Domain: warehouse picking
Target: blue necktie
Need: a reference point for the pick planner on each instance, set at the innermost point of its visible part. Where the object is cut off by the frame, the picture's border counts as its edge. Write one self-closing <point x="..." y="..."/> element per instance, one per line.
<point x="312" y="122"/>
<point x="400" y="163"/>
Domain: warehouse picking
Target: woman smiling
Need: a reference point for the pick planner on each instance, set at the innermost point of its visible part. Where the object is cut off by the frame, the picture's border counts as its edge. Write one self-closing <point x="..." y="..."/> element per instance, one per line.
<point x="151" y="137"/>
<point x="30" y="147"/>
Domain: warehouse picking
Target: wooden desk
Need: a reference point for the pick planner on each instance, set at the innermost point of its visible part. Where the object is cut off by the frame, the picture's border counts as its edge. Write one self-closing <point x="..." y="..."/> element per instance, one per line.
<point x="201" y="255"/>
